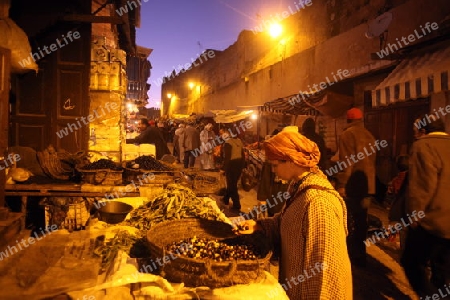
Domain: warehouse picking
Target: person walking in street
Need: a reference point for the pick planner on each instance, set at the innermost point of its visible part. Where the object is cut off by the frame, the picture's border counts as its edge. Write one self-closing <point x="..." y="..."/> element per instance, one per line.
<point x="233" y="164"/>
<point x="312" y="226"/>
<point x="207" y="139"/>
<point x="428" y="210"/>
<point x="191" y="143"/>
<point x="152" y="135"/>
<point x="178" y="150"/>
<point x="356" y="182"/>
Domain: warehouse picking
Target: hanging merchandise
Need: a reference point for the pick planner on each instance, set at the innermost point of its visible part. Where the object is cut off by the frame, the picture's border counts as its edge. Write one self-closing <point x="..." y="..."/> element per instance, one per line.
<point x="15" y="39"/>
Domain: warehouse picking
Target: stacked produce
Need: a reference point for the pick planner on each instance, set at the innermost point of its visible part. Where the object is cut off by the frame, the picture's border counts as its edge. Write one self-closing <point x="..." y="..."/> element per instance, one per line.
<point x="147" y="162"/>
<point x="176" y="202"/>
<point x="202" y="248"/>
<point x="102" y="164"/>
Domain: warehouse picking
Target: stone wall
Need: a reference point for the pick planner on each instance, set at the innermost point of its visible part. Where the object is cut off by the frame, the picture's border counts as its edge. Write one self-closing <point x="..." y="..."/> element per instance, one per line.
<point x="107" y="90"/>
<point x="107" y="128"/>
<point x="105" y="30"/>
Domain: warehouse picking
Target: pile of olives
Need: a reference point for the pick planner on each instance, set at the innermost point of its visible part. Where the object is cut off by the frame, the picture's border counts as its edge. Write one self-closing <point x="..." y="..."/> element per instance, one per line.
<point x="103" y="164"/>
<point x="202" y="248"/>
<point x="147" y="162"/>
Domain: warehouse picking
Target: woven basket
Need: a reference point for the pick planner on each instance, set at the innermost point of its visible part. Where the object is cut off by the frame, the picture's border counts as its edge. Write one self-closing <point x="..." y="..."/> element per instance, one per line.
<point x="53" y="166"/>
<point x="203" y="272"/>
<point x="72" y="213"/>
<point x="161" y="176"/>
<point x="154" y="177"/>
<point x="207" y="184"/>
<point x="130" y="175"/>
<point x="101" y="176"/>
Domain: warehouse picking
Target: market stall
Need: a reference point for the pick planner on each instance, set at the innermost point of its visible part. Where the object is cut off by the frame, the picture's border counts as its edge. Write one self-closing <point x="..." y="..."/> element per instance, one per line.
<point x="139" y="258"/>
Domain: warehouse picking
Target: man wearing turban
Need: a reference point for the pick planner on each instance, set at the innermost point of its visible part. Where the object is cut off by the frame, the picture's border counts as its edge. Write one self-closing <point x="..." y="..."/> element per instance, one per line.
<point x="312" y="226"/>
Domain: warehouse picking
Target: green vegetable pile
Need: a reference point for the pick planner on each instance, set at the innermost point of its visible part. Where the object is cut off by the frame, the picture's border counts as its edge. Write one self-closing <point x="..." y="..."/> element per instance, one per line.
<point x="176" y="202"/>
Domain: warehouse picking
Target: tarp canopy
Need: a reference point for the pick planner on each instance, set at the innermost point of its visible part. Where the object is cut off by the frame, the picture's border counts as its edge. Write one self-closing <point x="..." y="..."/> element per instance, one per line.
<point x="325" y="102"/>
<point x="230" y="116"/>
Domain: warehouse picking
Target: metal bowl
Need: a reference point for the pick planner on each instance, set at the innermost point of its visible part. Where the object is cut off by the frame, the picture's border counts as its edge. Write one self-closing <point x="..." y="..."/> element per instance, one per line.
<point x="113" y="212"/>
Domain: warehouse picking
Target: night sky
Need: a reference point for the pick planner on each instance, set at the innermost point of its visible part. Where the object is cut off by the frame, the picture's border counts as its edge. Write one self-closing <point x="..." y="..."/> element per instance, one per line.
<point x="179" y="30"/>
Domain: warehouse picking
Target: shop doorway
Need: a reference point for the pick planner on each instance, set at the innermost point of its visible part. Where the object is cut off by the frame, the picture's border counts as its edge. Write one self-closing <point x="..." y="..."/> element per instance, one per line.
<point x="393" y="123"/>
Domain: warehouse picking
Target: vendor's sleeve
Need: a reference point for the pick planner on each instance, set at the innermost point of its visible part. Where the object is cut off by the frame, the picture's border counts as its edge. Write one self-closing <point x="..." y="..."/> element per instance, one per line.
<point x="138" y="139"/>
<point x="271" y="228"/>
<point x="423" y="178"/>
<point x="323" y="231"/>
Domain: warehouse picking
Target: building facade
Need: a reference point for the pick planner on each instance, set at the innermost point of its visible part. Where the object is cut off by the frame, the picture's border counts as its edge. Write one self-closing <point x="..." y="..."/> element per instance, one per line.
<point x="332" y="55"/>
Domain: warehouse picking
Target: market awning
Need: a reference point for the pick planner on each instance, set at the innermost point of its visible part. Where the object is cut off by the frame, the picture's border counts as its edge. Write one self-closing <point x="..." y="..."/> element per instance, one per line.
<point x="230" y="116"/>
<point x="415" y="77"/>
<point x="325" y="102"/>
<point x="180" y="117"/>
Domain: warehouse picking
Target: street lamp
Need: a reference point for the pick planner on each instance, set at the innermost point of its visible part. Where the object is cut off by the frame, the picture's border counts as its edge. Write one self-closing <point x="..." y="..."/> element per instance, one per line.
<point x="169" y="95"/>
<point x="191" y="85"/>
<point x="275" y="30"/>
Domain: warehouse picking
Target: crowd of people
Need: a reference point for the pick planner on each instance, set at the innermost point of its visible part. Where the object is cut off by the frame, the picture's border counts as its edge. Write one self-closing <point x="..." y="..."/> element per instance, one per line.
<point x="192" y="141"/>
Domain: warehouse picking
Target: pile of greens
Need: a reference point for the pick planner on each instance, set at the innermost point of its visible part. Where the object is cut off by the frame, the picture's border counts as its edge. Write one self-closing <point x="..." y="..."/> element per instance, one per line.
<point x="174" y="203"/>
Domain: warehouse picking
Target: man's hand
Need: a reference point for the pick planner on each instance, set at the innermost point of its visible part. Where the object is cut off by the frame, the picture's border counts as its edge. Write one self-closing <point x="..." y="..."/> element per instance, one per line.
<point x="242" y="226"/>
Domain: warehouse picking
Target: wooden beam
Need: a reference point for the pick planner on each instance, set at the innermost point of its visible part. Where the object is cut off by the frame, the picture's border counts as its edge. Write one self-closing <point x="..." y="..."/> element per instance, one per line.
<point x="92" y="19"/>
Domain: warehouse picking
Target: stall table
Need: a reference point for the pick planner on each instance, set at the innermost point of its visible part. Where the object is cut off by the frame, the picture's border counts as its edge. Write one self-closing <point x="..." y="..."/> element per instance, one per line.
<point x="61" y="190"/>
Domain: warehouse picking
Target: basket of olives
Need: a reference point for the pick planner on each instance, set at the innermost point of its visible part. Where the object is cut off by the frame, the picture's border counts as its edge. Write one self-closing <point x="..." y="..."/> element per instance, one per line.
<point x="102" y="172"/>
<point x="200" y="252"/>
<point x="148" y="165"/>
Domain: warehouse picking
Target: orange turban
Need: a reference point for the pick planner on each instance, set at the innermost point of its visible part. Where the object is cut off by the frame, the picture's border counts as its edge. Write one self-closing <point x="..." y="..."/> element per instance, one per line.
<point x="292" y="146"/>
